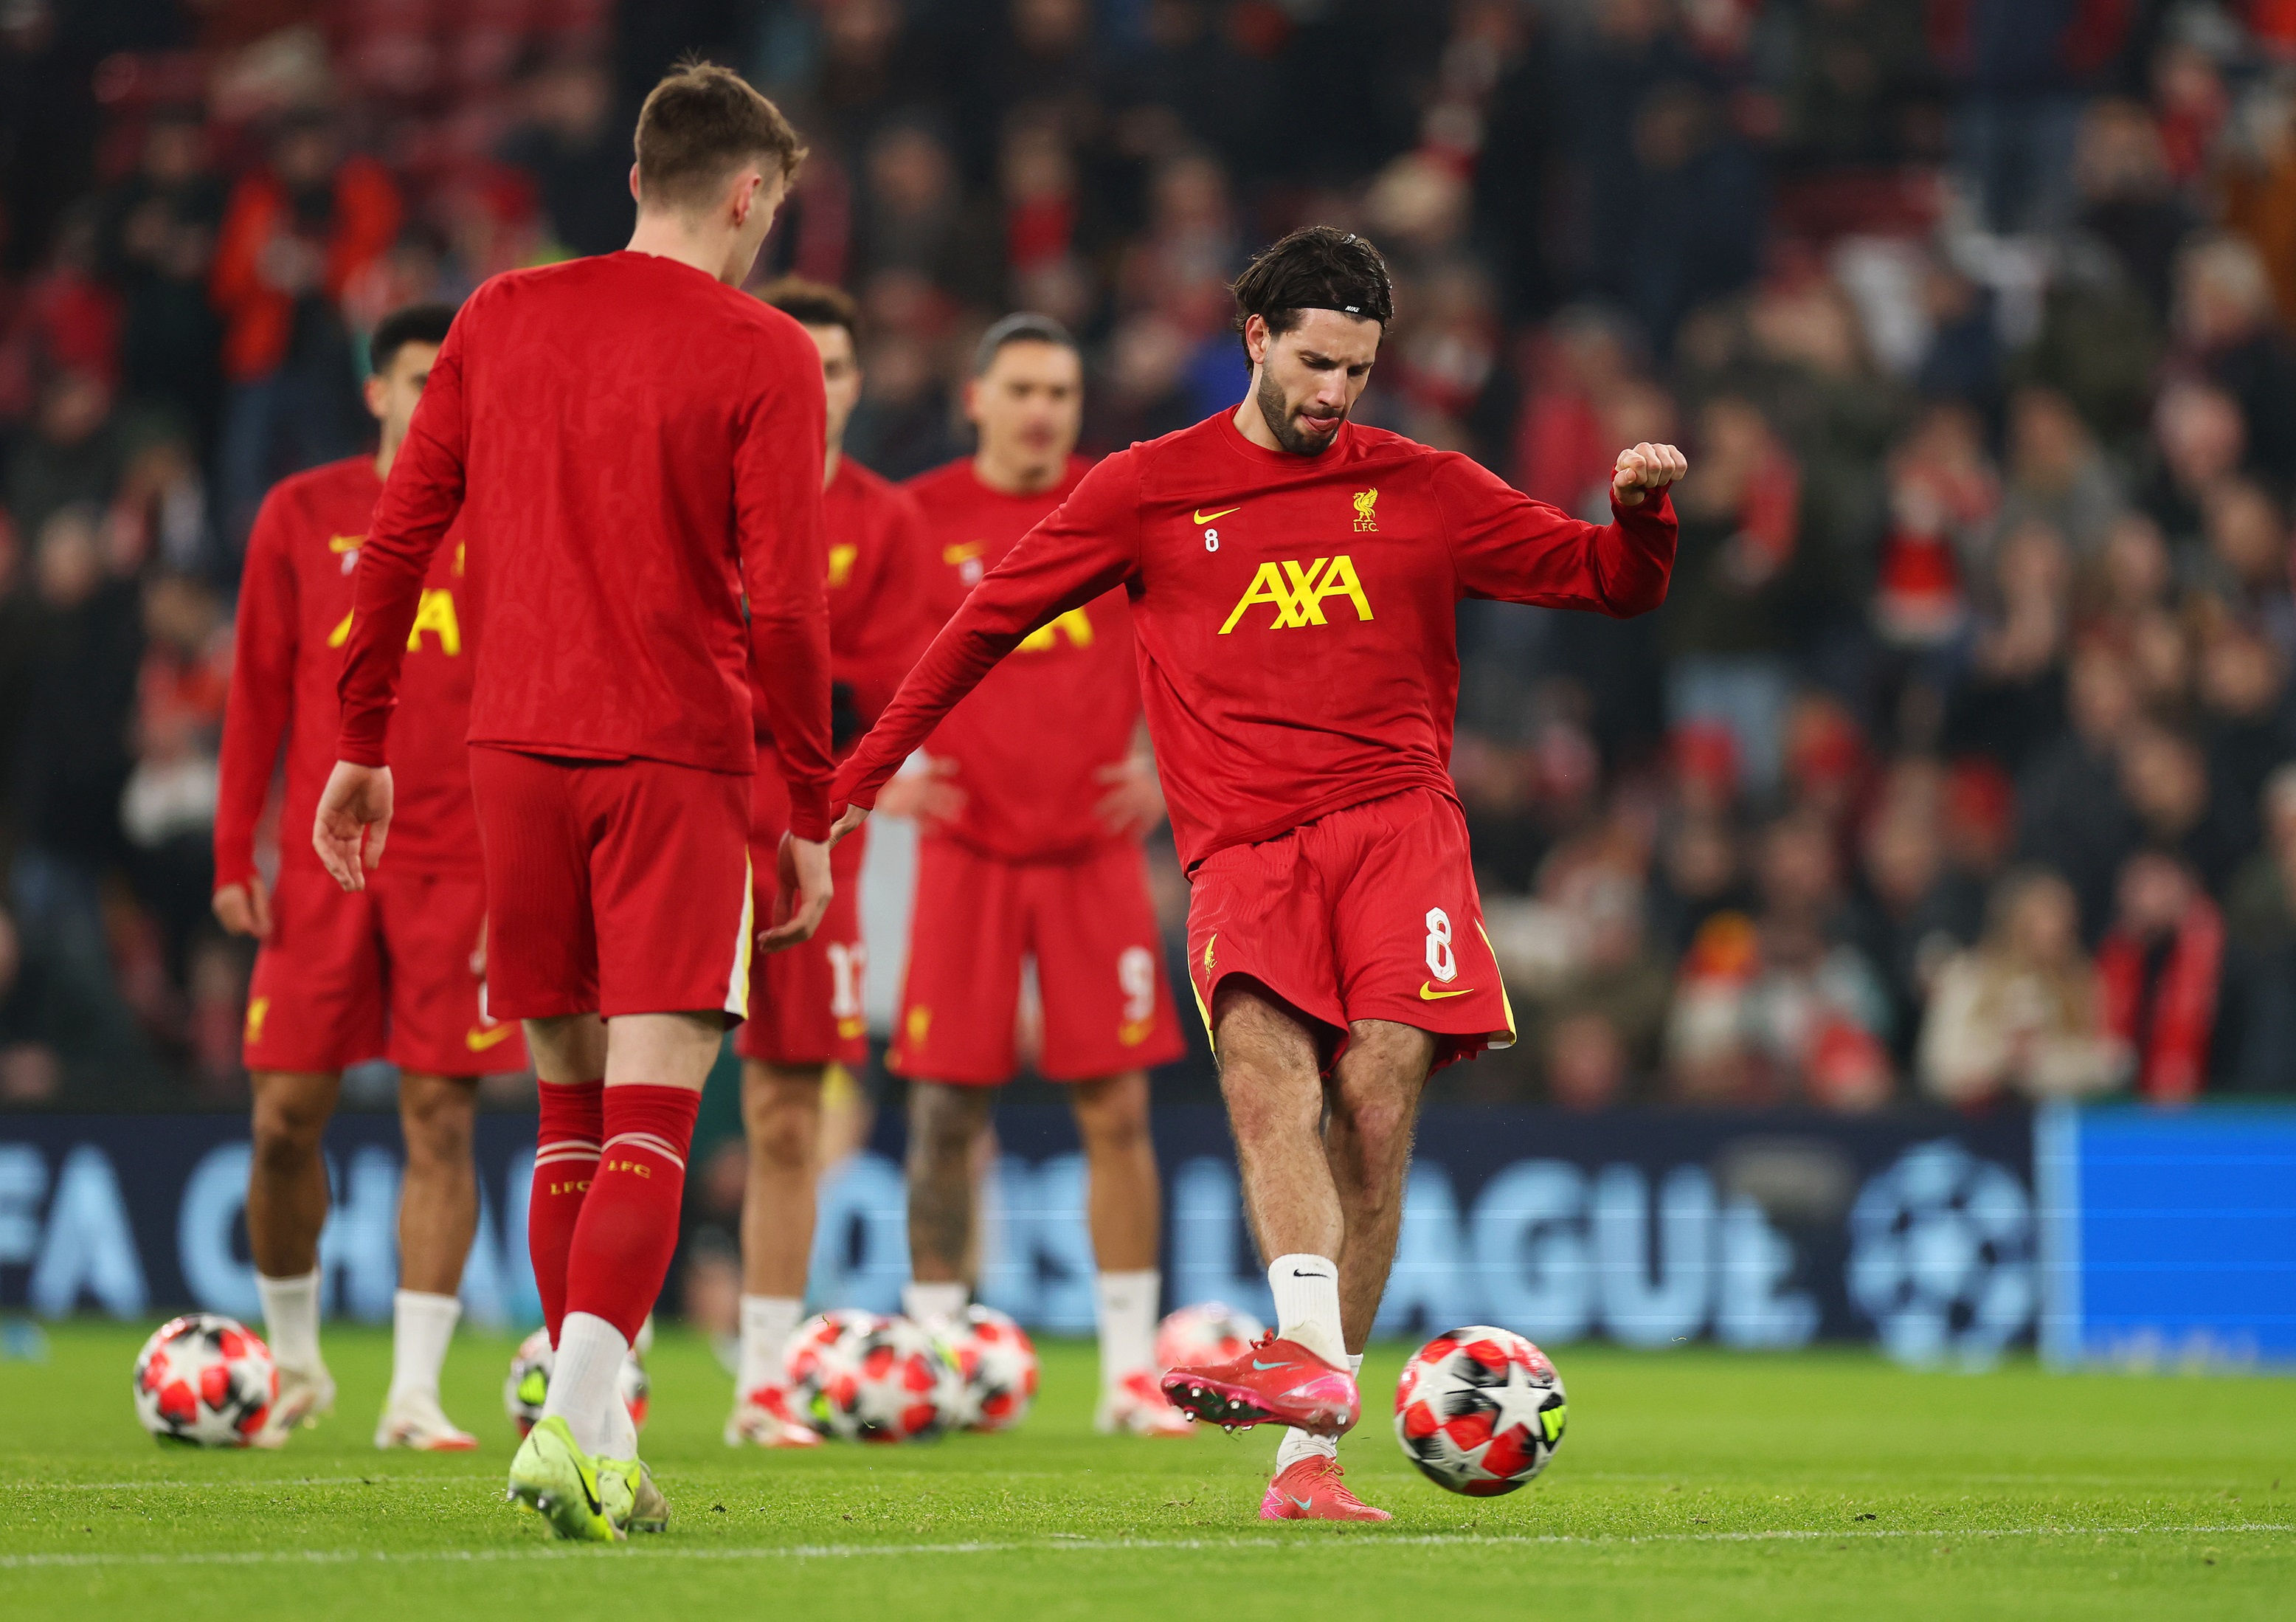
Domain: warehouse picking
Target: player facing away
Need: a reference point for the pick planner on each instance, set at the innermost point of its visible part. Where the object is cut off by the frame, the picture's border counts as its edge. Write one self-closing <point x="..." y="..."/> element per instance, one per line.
<point x="1294" y="580"/>
<point x="805" y="1003"/>
<point x="396" y="971"/>
<point x="1033" y="808"/>
<point x="632" y="444"/>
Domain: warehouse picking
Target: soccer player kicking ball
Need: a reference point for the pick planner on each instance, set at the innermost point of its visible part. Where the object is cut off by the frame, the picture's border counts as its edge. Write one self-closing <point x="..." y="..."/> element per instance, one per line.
<point x="805" y="1003"/>
<point x="396" y="971"/>
<point x="1294" y="580"/>
<point x="1034" y="808"/>
<point x="632" y="443"/>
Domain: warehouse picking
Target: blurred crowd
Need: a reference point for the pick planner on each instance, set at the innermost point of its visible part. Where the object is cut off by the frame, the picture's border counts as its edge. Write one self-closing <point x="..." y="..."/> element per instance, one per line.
<point x="1961" y="762"/>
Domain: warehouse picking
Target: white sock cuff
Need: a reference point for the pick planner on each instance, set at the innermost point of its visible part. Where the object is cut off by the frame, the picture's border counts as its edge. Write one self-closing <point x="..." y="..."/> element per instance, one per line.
<point x="1306" y="1291"/>
<point x="424" y="1304"/>
<point x="1354" y="1363"/>
<point x="291" y="1318"/>
<point x="1128" y="1302"/>
<point x="767" y="1322"/>
<point x="1298" y="1444"/>
<point x="931" y="1303"/>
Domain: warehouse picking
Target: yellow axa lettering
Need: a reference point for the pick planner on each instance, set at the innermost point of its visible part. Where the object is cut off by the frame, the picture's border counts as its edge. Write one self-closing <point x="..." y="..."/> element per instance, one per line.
<point x="840" y="564"/>
<point x="434" y="614"/>
<point x="1074" y="622"/>
<point x="1297" y="594"/>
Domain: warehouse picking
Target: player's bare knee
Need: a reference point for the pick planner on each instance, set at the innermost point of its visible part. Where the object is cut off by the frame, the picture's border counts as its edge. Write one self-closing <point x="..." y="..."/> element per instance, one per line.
<point x="781" y="1138"/>
<point x="290" y="1116"/>
<point x="1111" y="1113"/>
<point x="438" y="1116"/>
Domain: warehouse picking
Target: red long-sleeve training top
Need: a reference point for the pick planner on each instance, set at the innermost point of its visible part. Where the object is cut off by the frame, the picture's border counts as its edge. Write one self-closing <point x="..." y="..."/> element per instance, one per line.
<point x="294" y="617"/>
<point x="631" y="445"/>
<point x="1296" y="617"/>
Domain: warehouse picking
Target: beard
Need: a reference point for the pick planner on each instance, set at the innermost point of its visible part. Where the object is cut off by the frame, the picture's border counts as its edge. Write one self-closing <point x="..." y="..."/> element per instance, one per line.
<point x="1276" y="412"/>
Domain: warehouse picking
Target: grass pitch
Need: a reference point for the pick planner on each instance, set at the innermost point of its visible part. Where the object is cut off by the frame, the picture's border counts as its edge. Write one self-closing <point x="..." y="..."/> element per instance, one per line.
<point x="1691" y="1484"/>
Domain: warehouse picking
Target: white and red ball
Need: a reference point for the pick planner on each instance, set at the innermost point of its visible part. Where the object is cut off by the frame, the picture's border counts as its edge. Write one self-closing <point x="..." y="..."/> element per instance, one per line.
<point x="1200" y="1337"/>
<point x="817" y="1348"/>
<point x="888" y="1384"/>
<point x="996" y="1365"/>
<point x="206" y="1379"/>
<point x="1479" y="1411"/>
<point x="527" y="1384"/>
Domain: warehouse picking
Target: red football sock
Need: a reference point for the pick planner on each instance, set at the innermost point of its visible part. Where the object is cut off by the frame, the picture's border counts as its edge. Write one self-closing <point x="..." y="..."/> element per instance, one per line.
<point x="565" y="1160"/>
<point x="622" y="1245"/>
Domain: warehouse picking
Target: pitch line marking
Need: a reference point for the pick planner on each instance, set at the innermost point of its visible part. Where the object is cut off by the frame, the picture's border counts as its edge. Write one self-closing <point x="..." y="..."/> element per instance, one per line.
<point x="1107" y="1545"/>
<point x="247" y="1484"/>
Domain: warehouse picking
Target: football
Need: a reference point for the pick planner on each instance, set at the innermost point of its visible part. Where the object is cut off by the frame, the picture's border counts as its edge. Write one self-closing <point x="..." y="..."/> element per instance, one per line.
<point x="818" y="1347"/>
<point x="889" y="1383"/>
<point x="205" y="1379"/>
<point x="996" y="1365"/>
<point x="528" y="1383"/>
<point x="1479" y="1411"/>
<point x="1198" y="1337"/>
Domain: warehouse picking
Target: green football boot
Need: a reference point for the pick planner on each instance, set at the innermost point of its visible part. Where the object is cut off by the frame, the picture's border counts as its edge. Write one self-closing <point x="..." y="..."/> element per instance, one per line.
<point x="553" y="1476"/>
<point x="633" y="1501"/>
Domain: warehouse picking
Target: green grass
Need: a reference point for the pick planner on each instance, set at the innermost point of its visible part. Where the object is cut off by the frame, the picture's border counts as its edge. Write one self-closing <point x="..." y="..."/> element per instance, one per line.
<point x="1691" y="1484"/>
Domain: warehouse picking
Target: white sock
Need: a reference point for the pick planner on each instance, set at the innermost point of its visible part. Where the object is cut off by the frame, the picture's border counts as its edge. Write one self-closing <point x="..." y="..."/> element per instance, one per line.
<point x="1307" y="1303"/>
<point x="1298" y="1444"/>
<point x="582" y="1379"/>
<point x="290" y="1320"/>
<point x="931" y="1303"/>
<point x="619" y="1437"/>
<point x="767" y="1322"/>
<point x="1128" y="1323"/>
<point x="421" y="1326"/>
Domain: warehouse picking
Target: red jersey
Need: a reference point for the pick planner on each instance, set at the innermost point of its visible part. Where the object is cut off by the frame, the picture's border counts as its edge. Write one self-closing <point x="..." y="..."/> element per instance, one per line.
<point x="636" y="444"/>
<point x="294" y="618"/>
<point x="1028" y="741"/>
<point x="882" y="610"/>
<point x="1297" y="616"/>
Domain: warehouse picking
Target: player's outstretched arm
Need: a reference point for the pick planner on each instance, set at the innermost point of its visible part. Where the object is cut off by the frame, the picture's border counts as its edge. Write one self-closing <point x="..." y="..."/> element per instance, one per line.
<point x="1514" y="548"/>
<point x="1088" y="545"/>
<point x="420" y="500"/>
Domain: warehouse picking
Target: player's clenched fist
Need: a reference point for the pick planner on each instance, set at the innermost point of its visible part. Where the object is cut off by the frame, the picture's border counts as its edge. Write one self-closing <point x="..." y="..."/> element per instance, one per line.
<point x="1647" y="467"/>
<point x="353" y="821"/>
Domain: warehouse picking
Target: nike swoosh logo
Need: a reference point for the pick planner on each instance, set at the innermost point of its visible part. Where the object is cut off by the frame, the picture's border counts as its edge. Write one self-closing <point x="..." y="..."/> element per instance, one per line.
<point x="589" y="1488"/>
<point x="479" y="1042"/>
<point x="1303" y="1504"/>
<point x="1265" y="1366"/>
<point x="1204" y="517"/>
<point x="1428" y="994"/>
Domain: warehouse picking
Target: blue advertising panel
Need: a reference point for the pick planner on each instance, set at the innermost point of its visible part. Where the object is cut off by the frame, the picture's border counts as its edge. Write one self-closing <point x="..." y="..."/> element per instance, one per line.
<point x="1650" y="1229"/>
<point x="2169" y="1237"/>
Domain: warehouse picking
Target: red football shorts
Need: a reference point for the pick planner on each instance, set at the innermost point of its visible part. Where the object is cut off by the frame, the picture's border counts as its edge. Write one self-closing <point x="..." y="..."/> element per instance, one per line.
<point x="1367" y="913"/>
<point x="805" y="1003"/>
<point x="613" y="886"/>
<point x="1092" y="930"/>
<point x="383" y="973"/>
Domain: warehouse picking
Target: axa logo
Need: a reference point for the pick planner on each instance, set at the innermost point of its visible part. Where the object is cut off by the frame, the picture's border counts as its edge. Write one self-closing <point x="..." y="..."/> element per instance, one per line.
<point x="1298" y="594"/>
<point x="435" y="614"/>
<point x="1076" y="625"/>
